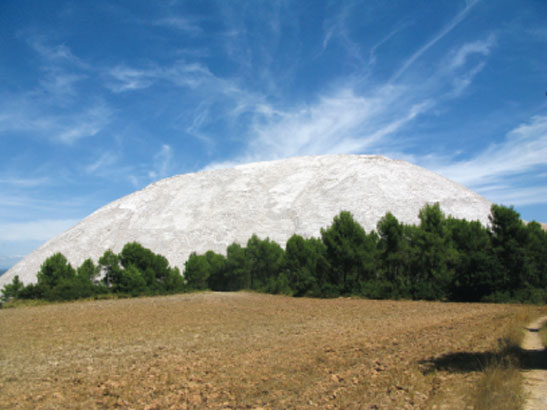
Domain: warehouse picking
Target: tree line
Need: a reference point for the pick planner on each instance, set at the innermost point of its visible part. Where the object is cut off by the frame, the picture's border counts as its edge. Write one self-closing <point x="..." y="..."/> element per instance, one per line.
<point x="440" y="258"/>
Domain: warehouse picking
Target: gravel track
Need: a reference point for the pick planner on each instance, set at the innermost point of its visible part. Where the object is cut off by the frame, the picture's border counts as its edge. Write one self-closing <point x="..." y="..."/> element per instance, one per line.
<point x="535" y="373"/>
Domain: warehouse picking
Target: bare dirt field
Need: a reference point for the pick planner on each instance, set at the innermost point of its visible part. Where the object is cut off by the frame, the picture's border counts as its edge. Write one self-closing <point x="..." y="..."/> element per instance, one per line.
<point x="247" y="350"/>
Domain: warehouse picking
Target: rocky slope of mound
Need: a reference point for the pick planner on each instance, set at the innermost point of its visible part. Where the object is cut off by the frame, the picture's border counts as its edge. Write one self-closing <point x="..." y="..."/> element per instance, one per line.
<point x="209" y="210"/>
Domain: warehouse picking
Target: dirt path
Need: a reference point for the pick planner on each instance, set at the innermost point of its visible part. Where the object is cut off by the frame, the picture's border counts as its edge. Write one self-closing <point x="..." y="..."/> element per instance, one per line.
<point x="535" y="373"/>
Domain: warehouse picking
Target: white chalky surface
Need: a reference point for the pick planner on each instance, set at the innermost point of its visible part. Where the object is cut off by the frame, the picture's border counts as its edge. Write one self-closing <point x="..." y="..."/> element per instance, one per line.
<point x="211" y="209"/>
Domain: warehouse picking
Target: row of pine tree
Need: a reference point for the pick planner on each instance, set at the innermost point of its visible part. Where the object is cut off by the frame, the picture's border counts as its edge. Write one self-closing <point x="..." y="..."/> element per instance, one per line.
<point x="441" y="258"/>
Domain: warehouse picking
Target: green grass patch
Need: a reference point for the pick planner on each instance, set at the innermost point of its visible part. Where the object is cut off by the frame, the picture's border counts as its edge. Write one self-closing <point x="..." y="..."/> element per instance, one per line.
<point x="17" y="303"/>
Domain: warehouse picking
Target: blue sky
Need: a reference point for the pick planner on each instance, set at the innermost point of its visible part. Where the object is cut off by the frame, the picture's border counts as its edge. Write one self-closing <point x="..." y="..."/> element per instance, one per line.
<point x="99" y="99"/>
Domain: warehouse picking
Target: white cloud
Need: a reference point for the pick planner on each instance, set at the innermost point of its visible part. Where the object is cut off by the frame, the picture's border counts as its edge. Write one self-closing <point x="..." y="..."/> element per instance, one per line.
<point x="319" y="128"/>
<point x="75" y="132"/>
<point x="62" y="70"/>
<point x="495" y="172"/>
<point x="524" y="149"/>
<point x="59" y="53"/>
<point x="104" y="160"/>
<point x="134" y="181"/>
<point x="199" y="119"/>
<point x="162" y="162"/>
<point x="372" y="52"/>
<point x="352" y="117"/>
<point x="128" y="79"/>
<point x="24" y="182"/>
<point x="81" y="125"/>
<point x="444" y="31"/>
<point x="31" y="204"/>
<point x="456" y="70"/>
<point x="342" y="122"/>
<point x="217" y="100"/>
<point x="516" y="195"/>
<point x="60" y="85"/>
<point x="461" y="82"/>
<point x="180" y="23"/>
<point x="29" y="116"/>
<point x="123" y="78"/>
<point x="337" y="28"/>
<point x="190" y="75"/>
<point x="49" y="110"/>
<point x="482" y="47"/>
<point x="327" y="37"/>
<point x="39" y="230"/>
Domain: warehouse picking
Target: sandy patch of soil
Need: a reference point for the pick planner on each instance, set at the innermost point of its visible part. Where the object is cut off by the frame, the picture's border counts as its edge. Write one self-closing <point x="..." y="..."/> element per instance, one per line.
<point x="535" y="373"/>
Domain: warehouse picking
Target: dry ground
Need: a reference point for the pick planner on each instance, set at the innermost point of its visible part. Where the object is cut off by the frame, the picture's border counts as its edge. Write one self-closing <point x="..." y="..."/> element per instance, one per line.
<point x="535" y="373"/>
<point x="246" y="350"/>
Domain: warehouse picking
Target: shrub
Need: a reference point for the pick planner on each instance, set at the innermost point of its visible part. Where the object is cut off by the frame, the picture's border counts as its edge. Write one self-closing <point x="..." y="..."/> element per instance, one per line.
<point x="12" y="290"/>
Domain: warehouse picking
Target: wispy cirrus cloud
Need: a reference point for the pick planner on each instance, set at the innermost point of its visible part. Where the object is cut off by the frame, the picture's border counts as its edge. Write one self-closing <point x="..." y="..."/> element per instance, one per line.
<point x="355" y="117"/>
<point x="460" y="82"/>
<point x="185" y="24"/>
<point x="351" y="117"/>
<point x="105" y="160"/>
<point x="340" y="122"/>
<point x="58" y="86"/>
<point x="24" y="182"/>
<point x="460" y="56"/>
<point x="162" y="162"/>
<point x="218" y="100"/>
<point x="160" y="166"/>
<point x="82" y="125"/>
<point x="62" y="70"/>
<point x="442" y="33"/>
<point x="523" y="150"/>
<point x="497" y="170"/>
<point x="372" y="52"/>
<point x="57" y="53"/>
<point x="336" y="28"/>
<point x="360" y="115"/>
<point x="31" y="204"/>
<point x="516" y="195"/>
<point x="123" y="78"/>
<point x="464" y="63"/>
<point x="48" y="110"/>
<point x="28" y="116"/>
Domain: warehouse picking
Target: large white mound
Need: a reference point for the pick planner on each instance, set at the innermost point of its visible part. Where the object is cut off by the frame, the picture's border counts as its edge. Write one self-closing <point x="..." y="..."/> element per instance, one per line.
<point x="209" y="210"/>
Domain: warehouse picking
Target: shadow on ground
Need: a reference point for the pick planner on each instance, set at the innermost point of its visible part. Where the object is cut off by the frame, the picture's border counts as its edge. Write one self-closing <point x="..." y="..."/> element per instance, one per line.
<point x="534" y="359"/>
<point x="464" y="362"/>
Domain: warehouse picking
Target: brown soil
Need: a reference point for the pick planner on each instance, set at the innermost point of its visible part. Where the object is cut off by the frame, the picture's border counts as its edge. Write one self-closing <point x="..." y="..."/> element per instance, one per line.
<point x="246" y="350"/>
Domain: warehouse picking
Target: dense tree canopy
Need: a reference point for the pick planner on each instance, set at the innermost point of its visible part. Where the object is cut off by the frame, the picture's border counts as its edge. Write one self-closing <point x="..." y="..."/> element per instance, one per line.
<point x="54" y="270"/>
<point x="306" y="265"/>
<point x="441" y="258"/>
<point x="350" y="252"/>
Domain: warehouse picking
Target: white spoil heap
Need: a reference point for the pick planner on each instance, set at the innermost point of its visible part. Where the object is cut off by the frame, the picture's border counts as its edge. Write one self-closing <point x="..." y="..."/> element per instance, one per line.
<point x="211" y="209"/>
